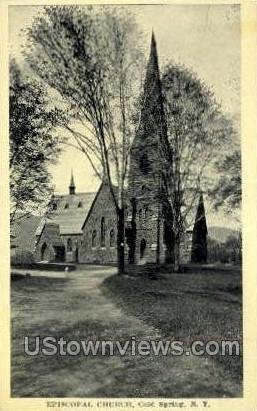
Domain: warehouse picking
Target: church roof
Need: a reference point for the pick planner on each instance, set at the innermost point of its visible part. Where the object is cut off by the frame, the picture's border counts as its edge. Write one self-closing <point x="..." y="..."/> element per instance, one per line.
<point x="70" y="213"/>
<point x="52" y="230"/>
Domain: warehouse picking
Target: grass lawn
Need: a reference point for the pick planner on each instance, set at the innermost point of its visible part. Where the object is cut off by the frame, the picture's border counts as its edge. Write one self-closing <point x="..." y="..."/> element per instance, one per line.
<point x="93" y="302"/>
<point x="204" y="305"/>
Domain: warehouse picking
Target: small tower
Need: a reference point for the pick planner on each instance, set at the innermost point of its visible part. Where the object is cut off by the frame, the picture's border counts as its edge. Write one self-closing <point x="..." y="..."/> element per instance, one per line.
<point x="72" y="186"/>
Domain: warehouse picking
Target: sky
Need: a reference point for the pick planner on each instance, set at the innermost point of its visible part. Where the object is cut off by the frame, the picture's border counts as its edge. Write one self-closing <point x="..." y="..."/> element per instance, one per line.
<point x="205" y="38"/>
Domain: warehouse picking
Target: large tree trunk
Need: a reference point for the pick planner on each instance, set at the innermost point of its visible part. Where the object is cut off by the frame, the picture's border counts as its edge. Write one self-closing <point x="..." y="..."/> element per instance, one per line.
<point x="177" y="255"/>
<point x="121" y="241"/>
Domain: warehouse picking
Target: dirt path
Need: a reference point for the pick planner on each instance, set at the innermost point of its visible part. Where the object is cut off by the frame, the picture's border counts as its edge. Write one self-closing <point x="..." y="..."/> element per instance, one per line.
<point x="75" y="308"/>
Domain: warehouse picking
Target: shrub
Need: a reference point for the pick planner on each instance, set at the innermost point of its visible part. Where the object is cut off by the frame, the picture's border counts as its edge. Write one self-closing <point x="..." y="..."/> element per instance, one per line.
<point x="22" y="258"/>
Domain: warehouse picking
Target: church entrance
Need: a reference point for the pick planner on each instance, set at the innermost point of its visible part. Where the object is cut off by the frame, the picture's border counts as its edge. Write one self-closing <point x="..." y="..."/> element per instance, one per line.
<point x="43" y="252"/>
<point x="142" y="248"/>
<point x="59" y="254"/>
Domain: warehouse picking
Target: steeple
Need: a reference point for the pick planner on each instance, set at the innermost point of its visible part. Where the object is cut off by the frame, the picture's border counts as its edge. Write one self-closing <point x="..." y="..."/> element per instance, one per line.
<point x="72" y="186"/>
<point x="152" y="86"/>
<point x="147" y="162"/>
<point x="152" y="71"/>
<point x="151" y="139"/>
<point x="152" y="119"/>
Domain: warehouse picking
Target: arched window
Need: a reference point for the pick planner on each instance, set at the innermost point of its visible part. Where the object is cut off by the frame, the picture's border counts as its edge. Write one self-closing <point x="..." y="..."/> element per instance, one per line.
<point x="43" y="251"/>
<point x="146" y="212"/>
<point x="69" y="244"/>
<point x="142" y="248"/>
<point x="66" y="205"/>
<point x="54" y="206"/>
<point x="80" y="204"/>
<point x="112" y="239"/>
<point x="103" y="232"/>
<point x="94" y="238"/>
<point x="140" y="214"/>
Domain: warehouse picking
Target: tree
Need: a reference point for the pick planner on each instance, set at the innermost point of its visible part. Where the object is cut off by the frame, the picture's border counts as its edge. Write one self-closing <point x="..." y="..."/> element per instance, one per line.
<point x="33" y="143"/>
<point x="215" y="251"/>
<point x="91" y="58"/>
<point x="233" y="245"/>
<point x="197" y="131"/>
<point x="227" y="191"/>
<point x="199" y="238"/>
<point x="229" y="251"/>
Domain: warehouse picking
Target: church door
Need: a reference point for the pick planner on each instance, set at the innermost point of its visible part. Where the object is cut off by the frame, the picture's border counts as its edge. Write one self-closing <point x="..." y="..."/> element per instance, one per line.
<point x="59" y="254"/>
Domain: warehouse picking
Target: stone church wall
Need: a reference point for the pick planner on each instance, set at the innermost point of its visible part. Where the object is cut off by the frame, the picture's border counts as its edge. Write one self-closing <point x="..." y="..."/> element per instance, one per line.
<point x="72" y="244"/>
<point x="45" y="249"/>
<point x="103" y="213"/>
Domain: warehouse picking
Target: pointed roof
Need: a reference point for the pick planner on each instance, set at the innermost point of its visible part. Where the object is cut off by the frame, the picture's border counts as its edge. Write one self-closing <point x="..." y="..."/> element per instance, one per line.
<point x="72" y="184"/>
<point x="200" y="219"/>
<point x="152" y="125"/>
<point x="152" y="71"/>
<point x="152" y="86"/>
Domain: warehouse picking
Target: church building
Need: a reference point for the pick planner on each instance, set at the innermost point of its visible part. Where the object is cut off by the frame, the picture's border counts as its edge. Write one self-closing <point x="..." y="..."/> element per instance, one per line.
<point x="82" y="227"/>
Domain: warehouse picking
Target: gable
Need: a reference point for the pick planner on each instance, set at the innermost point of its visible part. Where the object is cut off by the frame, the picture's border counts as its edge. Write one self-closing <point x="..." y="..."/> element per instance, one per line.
<point x="103" y="204"/>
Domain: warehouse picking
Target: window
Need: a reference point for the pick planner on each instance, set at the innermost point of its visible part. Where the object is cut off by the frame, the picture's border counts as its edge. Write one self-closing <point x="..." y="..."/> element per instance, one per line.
<point x="80" y="204"/>
<point x="94" y="234"/>
<point x="102" y="232"/>
<point x="140" y="214"/>
<point x="69" y="244"/>
<point x="142" y="248"/>
<point x="54" y="206"/>
<point x="144" y="164"/>
<point x="145" y="189"/>
<point x="66" y="205"/>
<point x="112" y="239"/>
<point x="146" y="212"/>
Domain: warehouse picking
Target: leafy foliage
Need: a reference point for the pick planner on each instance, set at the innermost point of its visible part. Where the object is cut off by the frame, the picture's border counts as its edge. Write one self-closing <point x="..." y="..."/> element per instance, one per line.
<point x="227" y="191"/>
<point x="33" y="145"/>
<point x="22" y="258"/>
<point x="229" y="251"/>
<point x="90" y="57"/>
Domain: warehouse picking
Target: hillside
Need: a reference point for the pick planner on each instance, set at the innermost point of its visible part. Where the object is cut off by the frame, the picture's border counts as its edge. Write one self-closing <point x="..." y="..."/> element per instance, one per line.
<point x="220" y="233"/>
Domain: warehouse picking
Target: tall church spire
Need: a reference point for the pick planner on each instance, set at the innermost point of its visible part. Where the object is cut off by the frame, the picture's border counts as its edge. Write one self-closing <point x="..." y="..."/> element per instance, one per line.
<point x="152" y="120"/>
<point x="152" y="71"/>
<point x="72" y="186"/>
<point x="147" y="162"/>
<point x="152" y="87"/>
